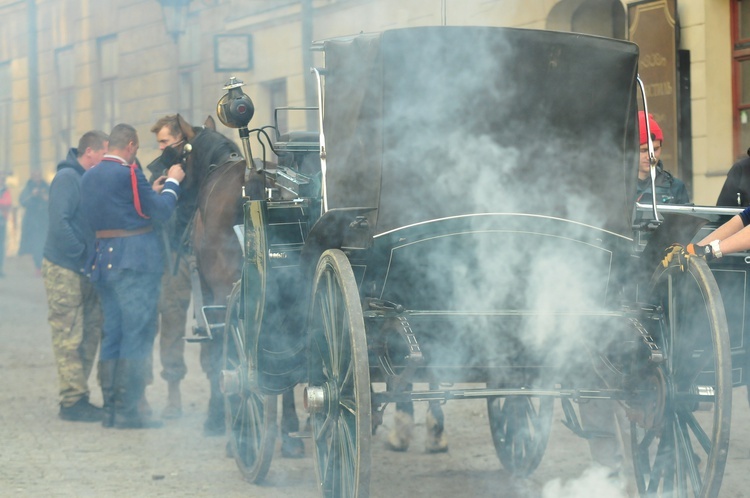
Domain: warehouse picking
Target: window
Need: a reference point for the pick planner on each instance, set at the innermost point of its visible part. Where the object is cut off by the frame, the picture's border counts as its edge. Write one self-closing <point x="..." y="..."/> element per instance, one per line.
<point x="6" y="101"/>
<point x="108" y="108"/>
<point x="741" y="74"/>
<point x="66" y="104"/>
<point x="188" y="77"/>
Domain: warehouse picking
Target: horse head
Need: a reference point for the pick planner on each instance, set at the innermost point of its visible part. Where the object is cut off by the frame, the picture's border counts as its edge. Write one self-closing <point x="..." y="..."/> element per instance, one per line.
<point x="209" y="149"/>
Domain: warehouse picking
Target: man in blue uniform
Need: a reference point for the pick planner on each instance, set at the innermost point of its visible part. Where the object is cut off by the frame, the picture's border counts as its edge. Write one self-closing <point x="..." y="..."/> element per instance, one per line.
<point x="126" y="268"/>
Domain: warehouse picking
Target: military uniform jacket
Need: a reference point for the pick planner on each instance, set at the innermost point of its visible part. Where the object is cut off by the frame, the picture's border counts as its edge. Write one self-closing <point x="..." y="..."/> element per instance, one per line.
<point x="109" y="204"/>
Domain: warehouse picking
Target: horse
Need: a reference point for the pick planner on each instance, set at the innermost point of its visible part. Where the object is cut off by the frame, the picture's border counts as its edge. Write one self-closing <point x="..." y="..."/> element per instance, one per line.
<point x="217" y="172"/>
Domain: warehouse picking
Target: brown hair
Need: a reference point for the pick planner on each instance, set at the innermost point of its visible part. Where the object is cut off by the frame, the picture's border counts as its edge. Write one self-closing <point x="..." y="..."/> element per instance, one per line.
<point x="94" y="139"/>
<point x="170" y="122"/>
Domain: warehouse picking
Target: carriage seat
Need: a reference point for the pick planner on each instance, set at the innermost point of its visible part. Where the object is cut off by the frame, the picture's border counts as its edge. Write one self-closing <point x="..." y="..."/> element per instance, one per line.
<point x="299" y="162"/>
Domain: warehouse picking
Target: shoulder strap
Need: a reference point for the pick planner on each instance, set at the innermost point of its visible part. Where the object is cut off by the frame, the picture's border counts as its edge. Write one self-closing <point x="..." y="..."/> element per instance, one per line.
<point x="136" y="197"/>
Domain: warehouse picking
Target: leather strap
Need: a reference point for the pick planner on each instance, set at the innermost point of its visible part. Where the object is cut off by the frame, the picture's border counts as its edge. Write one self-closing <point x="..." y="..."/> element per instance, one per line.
<point x="118" y="232"/>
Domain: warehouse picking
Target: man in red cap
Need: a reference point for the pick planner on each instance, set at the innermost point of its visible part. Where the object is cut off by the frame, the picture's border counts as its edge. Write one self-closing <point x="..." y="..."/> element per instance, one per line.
<point x="669" y="190"/>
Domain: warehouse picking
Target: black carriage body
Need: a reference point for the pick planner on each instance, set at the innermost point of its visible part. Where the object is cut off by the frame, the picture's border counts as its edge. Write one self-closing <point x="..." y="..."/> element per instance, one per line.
<point x="491" y="155"/>
<point x="461" y="149"/>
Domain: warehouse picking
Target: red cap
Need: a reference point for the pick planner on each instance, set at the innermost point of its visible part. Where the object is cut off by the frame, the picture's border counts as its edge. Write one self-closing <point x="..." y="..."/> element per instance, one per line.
<point x="656" y="132"/>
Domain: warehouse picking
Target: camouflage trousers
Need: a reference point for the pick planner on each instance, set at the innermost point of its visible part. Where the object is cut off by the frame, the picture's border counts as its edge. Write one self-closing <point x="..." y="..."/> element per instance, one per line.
<point x="75" y="320"/>
<point x="173" y="306"/>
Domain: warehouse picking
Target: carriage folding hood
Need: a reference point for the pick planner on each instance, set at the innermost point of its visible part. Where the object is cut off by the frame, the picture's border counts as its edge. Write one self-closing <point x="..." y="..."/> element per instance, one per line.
<point x="404" y="110"/>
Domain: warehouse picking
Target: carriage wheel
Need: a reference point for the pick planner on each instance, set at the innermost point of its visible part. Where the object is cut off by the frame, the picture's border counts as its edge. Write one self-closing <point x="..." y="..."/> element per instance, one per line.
<point x="520" y="427"/>
<point x="681" y="439"/>
<point x="250" y="416"/>
<point x="338" y="392"/>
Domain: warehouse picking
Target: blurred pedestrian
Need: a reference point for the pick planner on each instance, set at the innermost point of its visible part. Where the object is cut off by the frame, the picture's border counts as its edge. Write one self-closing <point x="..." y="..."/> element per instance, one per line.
<point x="669" y="190"/>
<point x="34" y="199"/>
<point x="126" y="269"/>
<point x="736" y="189"/>
<point x="75" y="316"/>
<point x="6" y="204"/>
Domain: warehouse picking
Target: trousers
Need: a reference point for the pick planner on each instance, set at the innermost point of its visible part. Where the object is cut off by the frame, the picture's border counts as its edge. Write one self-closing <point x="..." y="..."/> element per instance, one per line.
<point x="129" y="302"/>
<point x="75" y="320"/>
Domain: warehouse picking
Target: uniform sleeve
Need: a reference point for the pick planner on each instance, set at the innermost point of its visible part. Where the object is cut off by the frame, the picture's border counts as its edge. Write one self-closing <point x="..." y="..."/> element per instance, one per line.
<point x="158" y="207"/>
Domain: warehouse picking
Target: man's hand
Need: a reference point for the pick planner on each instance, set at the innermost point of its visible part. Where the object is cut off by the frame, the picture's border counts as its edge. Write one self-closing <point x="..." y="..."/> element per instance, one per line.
<point x="708" y="252"/>
<point x="158" y="184"/>
<point x="176" y="172"/>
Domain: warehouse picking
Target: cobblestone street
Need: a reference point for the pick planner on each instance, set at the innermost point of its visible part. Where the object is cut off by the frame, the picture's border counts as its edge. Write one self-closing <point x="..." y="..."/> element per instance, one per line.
<point x="44" y="456"/>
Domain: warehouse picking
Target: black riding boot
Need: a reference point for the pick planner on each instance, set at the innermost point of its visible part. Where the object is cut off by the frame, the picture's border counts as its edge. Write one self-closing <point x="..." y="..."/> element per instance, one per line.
<point x="107" y="369"/>
<point x="214" y="425"/>
<point x="130" y="385"/>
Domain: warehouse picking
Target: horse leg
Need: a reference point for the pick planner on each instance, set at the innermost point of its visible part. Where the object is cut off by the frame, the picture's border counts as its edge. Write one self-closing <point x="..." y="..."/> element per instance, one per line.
<point x="436" y="441"/>
<point x="291" y="447"/>
<point x="400" y="435"/>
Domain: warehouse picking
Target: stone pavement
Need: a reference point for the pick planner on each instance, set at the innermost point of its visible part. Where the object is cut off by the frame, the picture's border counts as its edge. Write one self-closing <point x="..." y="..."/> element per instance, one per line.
<point x="41" y="455"/>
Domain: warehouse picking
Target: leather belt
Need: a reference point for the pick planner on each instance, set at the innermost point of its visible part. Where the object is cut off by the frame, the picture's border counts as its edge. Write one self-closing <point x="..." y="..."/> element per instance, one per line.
<point x="118" y="232"/>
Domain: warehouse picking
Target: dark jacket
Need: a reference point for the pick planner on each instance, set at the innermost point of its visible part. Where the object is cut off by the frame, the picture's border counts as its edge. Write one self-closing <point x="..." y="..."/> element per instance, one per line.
<point x="669" y="190"/>
<point x="69" y="238"/>
<point x="736" y="189"/>
<point x="109" y="203"/>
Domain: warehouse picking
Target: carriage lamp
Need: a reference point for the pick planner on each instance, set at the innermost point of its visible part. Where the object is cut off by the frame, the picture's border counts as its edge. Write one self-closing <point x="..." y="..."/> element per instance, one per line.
<point x="235" y="109"/>
<point x="175" y="16"/>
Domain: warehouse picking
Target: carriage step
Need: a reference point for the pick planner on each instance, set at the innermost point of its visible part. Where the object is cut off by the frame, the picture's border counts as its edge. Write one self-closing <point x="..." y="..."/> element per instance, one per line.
<point x="301" y="435"/>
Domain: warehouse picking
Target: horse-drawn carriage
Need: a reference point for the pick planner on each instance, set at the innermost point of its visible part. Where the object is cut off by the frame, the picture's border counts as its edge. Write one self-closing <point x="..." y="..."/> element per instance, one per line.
<point x="465" y="215"/>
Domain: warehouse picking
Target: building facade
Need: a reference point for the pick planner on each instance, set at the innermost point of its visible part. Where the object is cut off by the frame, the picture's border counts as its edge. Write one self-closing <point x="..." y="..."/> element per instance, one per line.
<point x="67" y="66"/>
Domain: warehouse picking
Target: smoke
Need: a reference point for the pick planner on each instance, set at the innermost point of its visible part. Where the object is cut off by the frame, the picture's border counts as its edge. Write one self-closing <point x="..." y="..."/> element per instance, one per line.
<point x="595" y="482"/>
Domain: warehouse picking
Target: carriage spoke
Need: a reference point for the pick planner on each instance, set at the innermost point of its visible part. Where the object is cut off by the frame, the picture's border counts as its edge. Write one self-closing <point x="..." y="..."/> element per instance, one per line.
<point x="688" y="453"/>
<point x="334" y="330"/>
<point x="349" y="405"/>
<point x="700" y="435"/>
<point x="325" y="428"/>
<point x="347" y="448"/>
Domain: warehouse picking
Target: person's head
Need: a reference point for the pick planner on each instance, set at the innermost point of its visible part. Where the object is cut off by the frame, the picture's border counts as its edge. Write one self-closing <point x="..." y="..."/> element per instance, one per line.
<point x="168" y="132"/>
<point x="657" y="137"/>
<point x="123" y="142"/>
<point x="91" y="148"/>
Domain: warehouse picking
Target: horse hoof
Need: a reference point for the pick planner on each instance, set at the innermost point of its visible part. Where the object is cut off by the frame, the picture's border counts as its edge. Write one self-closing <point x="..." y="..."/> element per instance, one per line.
<point x="400" y="436"/>
<point x="436" y="441"/>
<point x="292" y="447"/>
